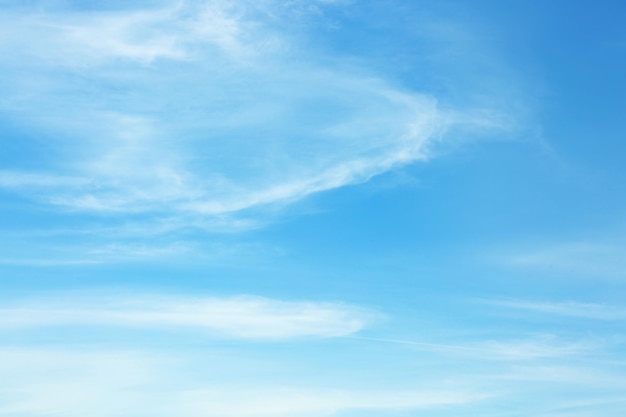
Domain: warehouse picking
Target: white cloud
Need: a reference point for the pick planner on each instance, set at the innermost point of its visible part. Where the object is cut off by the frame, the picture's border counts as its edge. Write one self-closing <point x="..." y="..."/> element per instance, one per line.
<point x="535" y="348"/>
<point x="135" y="383"/>
<point x="585" y="258"/>
<point x="16" y="179"/>
<point x="243" y="317"/>
<point x="570" y="309"/>
<point x="574" y="373"/>
<point x="74" y="383"/>
<point x="199" y="108"/>
<point x="290" y="402"/>
<point x="500" y="349"/>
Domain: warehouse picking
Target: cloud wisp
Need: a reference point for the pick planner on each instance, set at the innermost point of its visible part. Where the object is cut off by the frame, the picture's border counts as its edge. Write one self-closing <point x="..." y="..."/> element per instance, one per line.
<point x="298" y="402"/>
<point x="529" y="349"/>
<point x="132" y="383"/>
<point x="196" y="108"/>
<point x="582" y="259"/>
<point x="243" y="317"/>
<point x="574" y="309"/>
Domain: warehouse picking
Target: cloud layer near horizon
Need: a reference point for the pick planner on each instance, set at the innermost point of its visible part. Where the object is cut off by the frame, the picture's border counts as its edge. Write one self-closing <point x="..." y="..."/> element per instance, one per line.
<point x="112" y="383"/>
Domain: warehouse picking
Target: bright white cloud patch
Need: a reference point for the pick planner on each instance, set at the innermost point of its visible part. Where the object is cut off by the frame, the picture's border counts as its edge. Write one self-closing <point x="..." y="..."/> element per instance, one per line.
<point x="197" y="107"/>
<point x="238" y="317"/>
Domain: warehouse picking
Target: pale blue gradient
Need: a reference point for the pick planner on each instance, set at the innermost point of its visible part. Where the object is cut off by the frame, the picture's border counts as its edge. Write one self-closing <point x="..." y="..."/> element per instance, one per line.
<point x="350" y="208"/>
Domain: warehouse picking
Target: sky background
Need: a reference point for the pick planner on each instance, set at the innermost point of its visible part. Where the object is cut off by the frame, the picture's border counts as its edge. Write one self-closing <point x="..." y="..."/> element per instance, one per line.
<point x="306" y="208"/>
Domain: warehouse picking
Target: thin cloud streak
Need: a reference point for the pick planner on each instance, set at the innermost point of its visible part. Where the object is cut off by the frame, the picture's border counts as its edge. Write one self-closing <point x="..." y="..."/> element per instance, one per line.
<point x="244" y="317"/>
<point x="290" y="402"/>
<point x="590" y="259"/>
<point x="501" y="350"/>
<point x="592" y="311"/>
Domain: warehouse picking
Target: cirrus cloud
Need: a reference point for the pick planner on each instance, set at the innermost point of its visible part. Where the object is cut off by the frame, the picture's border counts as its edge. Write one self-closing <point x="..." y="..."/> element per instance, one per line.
<point x="243" y="317"/>
<point x="198" y="108"/>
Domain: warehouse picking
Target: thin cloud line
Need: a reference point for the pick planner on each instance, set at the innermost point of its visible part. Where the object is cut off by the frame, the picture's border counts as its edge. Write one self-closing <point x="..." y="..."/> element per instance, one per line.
<point x="243" y="317"/>
<point x="518" y="349"/>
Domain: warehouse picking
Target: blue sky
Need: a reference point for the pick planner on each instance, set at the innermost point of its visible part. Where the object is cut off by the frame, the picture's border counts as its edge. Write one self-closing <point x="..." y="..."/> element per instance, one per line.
<point x="351" y="208"/>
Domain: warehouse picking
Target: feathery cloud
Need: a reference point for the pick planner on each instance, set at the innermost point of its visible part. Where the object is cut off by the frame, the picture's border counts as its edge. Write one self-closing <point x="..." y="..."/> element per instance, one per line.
<point x="243" y="317"/>
<point x="569" y="309"/>
<point x="198" y="108"/>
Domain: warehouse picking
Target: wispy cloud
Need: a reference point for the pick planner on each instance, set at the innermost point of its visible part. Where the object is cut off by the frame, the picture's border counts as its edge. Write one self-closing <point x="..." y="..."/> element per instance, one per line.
<point x="584" y="258"/>
<point x="572" y="373"/>
<point x="304" y="403"/>
<point x="569" y="309"/>
<point x="243" y="317"/>
<point x="154" y="241"/>
<point x="533" y="348"/>
<point x="107" y="382"/>
<point x="536" y="348"/>
<point x="129" y="383"/>
<point x="199" y="108"/>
